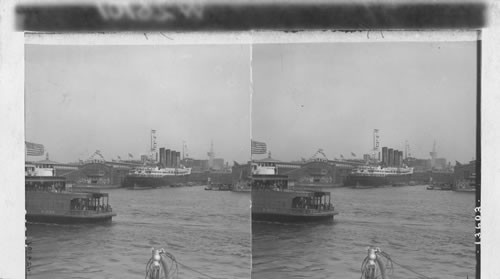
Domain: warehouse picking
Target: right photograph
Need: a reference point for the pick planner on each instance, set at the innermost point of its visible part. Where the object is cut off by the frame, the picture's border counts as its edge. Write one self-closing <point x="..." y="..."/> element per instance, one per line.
<point x="364" y="159"/>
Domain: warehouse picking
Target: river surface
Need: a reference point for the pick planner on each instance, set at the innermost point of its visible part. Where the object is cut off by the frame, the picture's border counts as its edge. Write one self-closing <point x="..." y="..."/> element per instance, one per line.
<point x="208" y="231"/>
<point x="430" y="232"/>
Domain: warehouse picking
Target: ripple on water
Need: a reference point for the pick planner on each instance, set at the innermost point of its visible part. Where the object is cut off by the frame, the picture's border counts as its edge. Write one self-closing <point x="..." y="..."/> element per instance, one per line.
<point x="414" y="226"/>
<point x="183" y="221"/>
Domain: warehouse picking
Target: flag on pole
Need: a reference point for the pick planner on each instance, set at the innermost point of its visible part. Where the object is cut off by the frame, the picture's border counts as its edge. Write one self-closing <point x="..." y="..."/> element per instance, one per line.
<point x="34" y="149"/>
<point x="259" y="147"/>
<point x="353" y="155"/>
<point x="130" y="155"/>
<point x="341" y="156"/>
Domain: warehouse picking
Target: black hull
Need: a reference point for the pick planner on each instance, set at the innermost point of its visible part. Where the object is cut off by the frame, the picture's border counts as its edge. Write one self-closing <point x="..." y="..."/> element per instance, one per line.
<point x="270" y="217"/>
<point x="64" y="219"/>
<point x="154" y="182"/>
<point x="377" y="181"/>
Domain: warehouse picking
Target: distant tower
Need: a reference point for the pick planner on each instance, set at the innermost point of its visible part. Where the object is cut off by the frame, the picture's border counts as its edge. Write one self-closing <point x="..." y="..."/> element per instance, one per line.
<point x="376" y="144"/>
<point x="184" y="150"/>
<point x="211" y="155"/>
<point x="407" y="150"/>
<point x="433" y="155"/>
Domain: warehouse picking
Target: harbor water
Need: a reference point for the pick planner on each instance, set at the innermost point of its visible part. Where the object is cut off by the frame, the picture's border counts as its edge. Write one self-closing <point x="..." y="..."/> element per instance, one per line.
<point x="207" y="231"/>
<point x="429" y="232"/>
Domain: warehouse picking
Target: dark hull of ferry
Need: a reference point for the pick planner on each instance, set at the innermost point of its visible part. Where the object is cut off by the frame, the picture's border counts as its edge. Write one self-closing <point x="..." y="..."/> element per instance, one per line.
<point x="376" y="181"/>
<point x="154" y="182"/>
<point x="69" y="219"/>
<point x="292" y="218"/>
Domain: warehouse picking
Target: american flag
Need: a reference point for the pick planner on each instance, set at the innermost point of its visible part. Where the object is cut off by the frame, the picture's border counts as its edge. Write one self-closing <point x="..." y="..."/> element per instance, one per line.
<point x="353" y="155"/>
<point x="258" y="147"/>
<point x="34" y="149"/>
<point x="130" y="155"/>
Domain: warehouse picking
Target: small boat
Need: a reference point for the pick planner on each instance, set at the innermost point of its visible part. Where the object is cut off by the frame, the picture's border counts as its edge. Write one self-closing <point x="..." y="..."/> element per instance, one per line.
<point x="219" y="181"/>
<point x="467" y="184"/>
<point x="50" y="200"/>
<point x="242" y="186"/>
<point x="439" y="186"/>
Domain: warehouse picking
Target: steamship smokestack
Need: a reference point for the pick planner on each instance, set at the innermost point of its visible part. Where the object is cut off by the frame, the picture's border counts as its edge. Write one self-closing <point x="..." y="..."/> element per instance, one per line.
<point x="172" y="158"/>
<point x="168" y="154"/>
<point x="385" y="153"/>
<point x="162" y="156"/>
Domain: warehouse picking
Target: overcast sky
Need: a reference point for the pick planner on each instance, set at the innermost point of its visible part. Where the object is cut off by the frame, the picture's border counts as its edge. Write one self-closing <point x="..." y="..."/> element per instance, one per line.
<point x="85" y="98"/>
<point x="306" y="96"/>
<point x="332" y="96"/>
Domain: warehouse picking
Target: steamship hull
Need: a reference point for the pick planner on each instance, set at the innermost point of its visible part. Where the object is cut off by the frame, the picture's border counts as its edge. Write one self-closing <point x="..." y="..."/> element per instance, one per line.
<point x="360" y="181"/>
<point x="138" y="182"/>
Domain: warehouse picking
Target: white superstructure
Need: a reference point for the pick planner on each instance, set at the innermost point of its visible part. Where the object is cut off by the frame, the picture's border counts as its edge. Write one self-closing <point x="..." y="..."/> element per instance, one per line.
<point x="159" y="172"/>
<point x="381" y="171"/>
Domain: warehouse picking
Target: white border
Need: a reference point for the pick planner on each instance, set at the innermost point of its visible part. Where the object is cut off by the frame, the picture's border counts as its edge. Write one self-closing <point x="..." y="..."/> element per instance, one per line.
<point x="254" y="37"/>
<point x="12" y="115"/>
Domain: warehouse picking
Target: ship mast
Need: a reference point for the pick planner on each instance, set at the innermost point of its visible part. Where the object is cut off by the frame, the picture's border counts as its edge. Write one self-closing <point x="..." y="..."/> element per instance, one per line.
<point x="152" y="154"/>
<point x="376" y="145"/>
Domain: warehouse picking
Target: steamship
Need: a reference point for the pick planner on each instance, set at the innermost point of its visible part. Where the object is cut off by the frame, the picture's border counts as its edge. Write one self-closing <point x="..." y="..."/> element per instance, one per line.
<point x="146" y="177"/>
<point x="168" y="171"/>
<point x="390" y="172"/>
<point x="375" y="176"/>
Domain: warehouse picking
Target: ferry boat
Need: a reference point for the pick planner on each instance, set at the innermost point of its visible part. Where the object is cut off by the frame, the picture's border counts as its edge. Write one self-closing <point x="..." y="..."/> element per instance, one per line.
<point x="375" y="176"/>
<point x="50" y="200"/>
<point x="272" y="200"/>
<point x="152" y="177"/>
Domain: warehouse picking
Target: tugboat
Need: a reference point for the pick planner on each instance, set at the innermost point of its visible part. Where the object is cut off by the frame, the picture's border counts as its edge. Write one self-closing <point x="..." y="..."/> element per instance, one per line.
<point x="49" y="200"/>
<point x="272" y="200"/>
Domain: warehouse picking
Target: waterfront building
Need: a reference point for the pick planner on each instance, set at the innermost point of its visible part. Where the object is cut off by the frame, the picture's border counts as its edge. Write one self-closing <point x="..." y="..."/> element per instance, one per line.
<point x="95" y="171"/>
<point x="314" y="174"/>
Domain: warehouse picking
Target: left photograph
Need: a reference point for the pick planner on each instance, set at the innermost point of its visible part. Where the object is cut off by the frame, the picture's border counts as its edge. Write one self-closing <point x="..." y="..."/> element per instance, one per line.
<point x="132" y="162"/>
